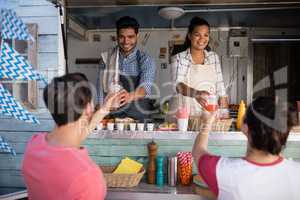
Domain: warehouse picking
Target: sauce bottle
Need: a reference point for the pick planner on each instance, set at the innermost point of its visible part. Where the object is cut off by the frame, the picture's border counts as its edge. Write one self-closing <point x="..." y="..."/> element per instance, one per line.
<point x="241" y="113"/>
<point x="160" y="171"/>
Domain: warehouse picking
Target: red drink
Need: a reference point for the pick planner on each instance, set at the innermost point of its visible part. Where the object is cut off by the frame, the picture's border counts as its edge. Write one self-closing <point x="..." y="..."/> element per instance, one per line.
<point x="212" y="103"/>
<point x="211" y="107"/>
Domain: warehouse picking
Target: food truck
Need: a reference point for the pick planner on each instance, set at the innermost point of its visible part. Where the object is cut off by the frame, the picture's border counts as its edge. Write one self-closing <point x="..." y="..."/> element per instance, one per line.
<point x="257" y="42"/>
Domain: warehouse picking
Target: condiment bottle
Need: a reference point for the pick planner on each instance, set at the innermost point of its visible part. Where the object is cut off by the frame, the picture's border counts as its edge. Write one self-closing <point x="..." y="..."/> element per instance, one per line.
<point x="241" y="113"/>
<point x="159" y="171"/>
<point x="152" y="151"/>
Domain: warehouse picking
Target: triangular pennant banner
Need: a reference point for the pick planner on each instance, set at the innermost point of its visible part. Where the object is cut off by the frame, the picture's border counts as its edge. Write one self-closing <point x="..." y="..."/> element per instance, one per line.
<point x="13" y="27"/>
<point x="13" y="66"/>
<point x="6" y="147"/>
<point x="10" y="107"/>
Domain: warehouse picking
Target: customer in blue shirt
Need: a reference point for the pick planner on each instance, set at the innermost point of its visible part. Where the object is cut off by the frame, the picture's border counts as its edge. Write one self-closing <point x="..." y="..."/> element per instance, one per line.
<point x="131" y="68"/>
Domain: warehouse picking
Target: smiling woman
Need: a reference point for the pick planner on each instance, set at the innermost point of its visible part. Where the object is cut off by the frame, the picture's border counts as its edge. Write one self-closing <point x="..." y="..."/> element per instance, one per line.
<point x="197" y="70"/>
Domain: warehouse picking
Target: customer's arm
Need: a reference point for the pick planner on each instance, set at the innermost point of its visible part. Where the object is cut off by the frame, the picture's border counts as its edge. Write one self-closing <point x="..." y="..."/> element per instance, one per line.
<point x="201" y="141"/>
<point x="103" y="110"/>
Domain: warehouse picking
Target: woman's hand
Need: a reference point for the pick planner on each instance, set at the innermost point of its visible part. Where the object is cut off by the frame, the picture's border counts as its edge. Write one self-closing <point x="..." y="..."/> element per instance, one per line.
<point x="207" y="119"/>
<point x="201" y="141"/>
<point x="111" y="100"/>
<point x="201" y="97"/>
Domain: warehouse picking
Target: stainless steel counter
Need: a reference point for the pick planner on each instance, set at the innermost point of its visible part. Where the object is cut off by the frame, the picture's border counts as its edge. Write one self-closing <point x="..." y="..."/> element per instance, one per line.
<point x="167" y="135"/>
<point x="151" y="192"/>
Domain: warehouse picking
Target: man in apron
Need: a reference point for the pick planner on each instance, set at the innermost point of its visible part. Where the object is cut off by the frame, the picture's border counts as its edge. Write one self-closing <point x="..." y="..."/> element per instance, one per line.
<point x="131" y="70"/>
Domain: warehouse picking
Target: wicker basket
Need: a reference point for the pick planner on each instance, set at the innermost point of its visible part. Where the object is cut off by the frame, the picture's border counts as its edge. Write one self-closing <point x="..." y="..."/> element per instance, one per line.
<point x="218" y="125"/>
<point x="121" y="180"/>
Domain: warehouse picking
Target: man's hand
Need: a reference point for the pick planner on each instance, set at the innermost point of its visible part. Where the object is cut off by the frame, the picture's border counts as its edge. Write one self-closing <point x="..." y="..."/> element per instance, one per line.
<point x="201" y="97"/>
<point x="125" y="97"/>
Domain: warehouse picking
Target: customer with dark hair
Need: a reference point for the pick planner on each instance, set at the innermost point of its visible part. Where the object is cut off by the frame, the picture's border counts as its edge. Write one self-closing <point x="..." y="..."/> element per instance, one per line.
<point x="127" y="67"/>
<point x="263" y="173"/>
<point x="55" y="165"/>
<point x="196" y="72"/>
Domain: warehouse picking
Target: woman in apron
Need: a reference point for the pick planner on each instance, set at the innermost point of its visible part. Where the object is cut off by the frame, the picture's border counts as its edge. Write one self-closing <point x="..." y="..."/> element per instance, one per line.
<point x="196" y="72"/>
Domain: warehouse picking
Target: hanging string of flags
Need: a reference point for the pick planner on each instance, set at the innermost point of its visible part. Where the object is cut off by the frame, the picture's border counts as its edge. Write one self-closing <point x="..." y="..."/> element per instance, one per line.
<point x="6" y="147"/>
<point x="10" y="107"/>
<point x="13" y="27"/>
<point x="13" y="66"/>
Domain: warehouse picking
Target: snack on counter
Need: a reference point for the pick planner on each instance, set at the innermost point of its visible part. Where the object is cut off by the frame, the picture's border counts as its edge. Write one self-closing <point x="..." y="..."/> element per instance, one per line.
<point x="105" y="121"/>
<point x="167" y="126"/>
<point x="125" y="120"/>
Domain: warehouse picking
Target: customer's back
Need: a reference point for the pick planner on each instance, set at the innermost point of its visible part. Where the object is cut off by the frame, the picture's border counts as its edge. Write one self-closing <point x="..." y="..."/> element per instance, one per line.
<point x="240" y="179"/>
<point x="263" y="173"/>
<point x="60" y="173"/>
<point x="55" y="166"/>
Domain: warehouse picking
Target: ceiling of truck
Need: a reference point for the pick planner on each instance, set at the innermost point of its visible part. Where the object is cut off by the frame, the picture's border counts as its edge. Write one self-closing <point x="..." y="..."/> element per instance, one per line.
<point x="93" y="3"/>
<point x="102" y="14"/>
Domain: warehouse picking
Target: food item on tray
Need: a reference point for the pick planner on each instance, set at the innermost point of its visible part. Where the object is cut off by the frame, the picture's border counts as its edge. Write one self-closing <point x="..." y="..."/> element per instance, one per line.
<point x="125" y="120"/>
<point x="167" y="126"/>
<point x="107" y="120"/>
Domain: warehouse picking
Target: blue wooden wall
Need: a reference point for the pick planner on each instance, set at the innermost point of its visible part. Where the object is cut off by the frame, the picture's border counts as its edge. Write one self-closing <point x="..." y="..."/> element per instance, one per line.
<point x="45" y="15"/>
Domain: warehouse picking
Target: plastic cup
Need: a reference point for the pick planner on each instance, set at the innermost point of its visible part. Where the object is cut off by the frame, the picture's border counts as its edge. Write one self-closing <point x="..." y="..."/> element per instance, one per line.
<point x="140" y="126"/>
<point x="182" y="124"/>
<point x="110" y="126"/>
<point x="212" y="103"/>
<point x="132" y="126"/>
<point x="113" y="89"/>
<point x="150" y="126"/>
<point x="99" y="126"/>
<point x="120" y="126"/>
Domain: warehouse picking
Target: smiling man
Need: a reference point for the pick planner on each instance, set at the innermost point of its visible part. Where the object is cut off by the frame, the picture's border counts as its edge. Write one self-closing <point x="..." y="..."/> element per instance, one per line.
<point x="130" y="69"/>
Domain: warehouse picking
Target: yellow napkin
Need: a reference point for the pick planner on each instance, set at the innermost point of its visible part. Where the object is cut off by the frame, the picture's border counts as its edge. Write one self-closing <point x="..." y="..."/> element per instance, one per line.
<point x="128" y="166"/>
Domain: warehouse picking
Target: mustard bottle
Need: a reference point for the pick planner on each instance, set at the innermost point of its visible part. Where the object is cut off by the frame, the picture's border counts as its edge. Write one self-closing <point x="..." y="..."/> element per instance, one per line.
<point x="241" y="113"/>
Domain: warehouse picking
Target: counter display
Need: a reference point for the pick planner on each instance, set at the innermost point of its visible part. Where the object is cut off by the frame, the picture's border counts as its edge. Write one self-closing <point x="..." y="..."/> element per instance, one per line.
<point x="178" y="135"/>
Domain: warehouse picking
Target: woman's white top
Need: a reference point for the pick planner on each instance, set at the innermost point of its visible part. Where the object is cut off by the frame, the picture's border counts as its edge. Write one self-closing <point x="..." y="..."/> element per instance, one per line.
<point x="206" y="76"/>
<point x="239" y="179"/>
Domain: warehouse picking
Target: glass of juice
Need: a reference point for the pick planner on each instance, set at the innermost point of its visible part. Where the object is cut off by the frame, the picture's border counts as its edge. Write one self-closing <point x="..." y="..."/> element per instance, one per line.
<point x="212" y="103"/>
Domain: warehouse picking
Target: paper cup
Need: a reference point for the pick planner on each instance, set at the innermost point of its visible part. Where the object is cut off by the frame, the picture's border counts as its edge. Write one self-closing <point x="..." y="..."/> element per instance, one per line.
<point x="150" y="126"/>
<point x="99" y="126"/>
<point x="120" y="126"/>
<point x="140" y="126"/>
<point x="110" y="126"/>
<point x="212" y="103"/>
<point x="132" y="126"/>
<point x="182" y="124"/>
